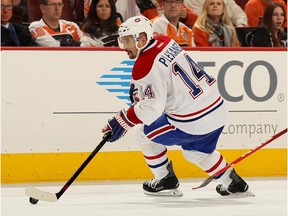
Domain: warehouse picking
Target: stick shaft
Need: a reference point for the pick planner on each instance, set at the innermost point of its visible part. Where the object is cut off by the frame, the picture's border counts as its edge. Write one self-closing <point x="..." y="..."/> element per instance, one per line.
<point x="250" y="152"/>
<point x="208" y="180"/>
<point x="83" y="165"/>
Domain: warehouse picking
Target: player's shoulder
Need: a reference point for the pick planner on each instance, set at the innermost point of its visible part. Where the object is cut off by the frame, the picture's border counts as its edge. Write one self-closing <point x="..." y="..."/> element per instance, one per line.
<point x="145" y="61"/>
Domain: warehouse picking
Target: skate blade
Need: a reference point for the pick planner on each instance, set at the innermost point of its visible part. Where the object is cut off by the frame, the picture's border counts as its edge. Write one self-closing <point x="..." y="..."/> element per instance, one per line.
<point x="166" y="193"/>
<point x="248" y="193"/>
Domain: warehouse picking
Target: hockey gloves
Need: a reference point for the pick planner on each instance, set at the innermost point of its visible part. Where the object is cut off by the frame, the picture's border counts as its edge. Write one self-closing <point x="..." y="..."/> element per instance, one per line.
<point x="118" y="125"/>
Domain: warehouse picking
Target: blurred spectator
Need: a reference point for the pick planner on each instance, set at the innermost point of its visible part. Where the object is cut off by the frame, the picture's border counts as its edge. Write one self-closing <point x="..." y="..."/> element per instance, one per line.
<point x="235" y="12"/>
<point x="270" y="33"/>
<point x="78" y="10"/>
<point x="255" y="10"/>
<point x="214" y="27"/>
<point x="127" y="8"/>
<point x="13" y="34"/>
<point x="154" y="8"/>
<point x="169" y="24"/>
<point x="150" y="8"/>
<point x="241" y="3"/>
<point x="54" y="32"/>
<point x="20" y="12"/>
<point x="102" y="23"/>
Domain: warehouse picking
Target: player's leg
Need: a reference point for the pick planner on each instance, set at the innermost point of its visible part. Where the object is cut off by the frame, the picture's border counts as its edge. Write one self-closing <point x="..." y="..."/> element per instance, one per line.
<point x="202" y="153"/>
<point x="165" y="182"/>
<point x="230" y="181"/>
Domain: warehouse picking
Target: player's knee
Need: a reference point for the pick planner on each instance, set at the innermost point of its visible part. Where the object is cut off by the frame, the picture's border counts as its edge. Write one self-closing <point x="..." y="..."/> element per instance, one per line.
<point x="205" y="161"/>
<point x="195" y="157"/>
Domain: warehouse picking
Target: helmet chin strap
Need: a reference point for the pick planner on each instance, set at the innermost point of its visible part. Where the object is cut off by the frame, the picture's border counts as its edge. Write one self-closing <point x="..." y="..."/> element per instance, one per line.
<point x="138" y="48"/>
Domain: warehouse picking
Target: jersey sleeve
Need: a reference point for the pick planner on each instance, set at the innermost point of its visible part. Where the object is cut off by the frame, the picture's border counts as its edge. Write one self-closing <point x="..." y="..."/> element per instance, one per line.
<point x="41" y="36"/>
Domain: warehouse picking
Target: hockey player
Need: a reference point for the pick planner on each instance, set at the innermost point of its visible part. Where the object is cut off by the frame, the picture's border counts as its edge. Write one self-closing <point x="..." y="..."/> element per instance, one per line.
<point x="175" y="102"/>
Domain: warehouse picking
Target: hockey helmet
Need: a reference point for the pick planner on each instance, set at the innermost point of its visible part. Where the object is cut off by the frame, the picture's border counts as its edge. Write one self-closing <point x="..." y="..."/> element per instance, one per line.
<point x="134" y="26"/>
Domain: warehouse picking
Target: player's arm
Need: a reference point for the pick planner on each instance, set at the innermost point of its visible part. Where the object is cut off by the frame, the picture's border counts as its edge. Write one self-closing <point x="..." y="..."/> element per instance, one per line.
<point x="152" y="90"/>
<point x="41" y="36"/>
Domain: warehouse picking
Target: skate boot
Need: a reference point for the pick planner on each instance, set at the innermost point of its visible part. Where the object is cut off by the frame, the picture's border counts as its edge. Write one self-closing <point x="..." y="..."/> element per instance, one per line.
<point x="238" y="186"/>
<point x="167" y="186"/>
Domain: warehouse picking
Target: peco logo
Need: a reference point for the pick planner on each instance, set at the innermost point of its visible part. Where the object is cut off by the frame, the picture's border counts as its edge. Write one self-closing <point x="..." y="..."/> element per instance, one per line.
<point x="247" y="80"/>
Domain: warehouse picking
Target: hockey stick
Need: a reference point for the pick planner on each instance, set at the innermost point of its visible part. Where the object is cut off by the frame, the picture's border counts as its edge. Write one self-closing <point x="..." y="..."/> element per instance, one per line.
<point x="208" y="180"/>
<point x="37" y="194"/>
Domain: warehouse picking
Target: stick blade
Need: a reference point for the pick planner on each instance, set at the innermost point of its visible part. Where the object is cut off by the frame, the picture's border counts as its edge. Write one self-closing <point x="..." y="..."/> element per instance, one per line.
<point x="205" y="183"/>
<point x="40" y="195"/>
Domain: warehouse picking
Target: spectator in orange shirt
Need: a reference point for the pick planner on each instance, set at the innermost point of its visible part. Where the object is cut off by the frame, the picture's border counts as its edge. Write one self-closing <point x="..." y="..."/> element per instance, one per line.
<point x="214" y="27"/>
<point x="154" y="8"/>
<point x="255" y="9"/>
<point x="168" y="24"/>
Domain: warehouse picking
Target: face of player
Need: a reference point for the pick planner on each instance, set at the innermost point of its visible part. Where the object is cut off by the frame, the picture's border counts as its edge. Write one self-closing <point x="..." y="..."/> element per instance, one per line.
<point x="129" y="45"/>
<point x="52" y="11"/>
<point x="6" y="11"/>
<point x="172" y="8"/>
<point x="103" y="9"/>
<point x="277" y="18"/>
<point x="215" y="9"/>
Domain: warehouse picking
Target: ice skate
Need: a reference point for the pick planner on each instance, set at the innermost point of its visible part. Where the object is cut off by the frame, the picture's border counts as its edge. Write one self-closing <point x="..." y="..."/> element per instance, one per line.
<point x="167" y="186"/>
<point x="237" y="187"/>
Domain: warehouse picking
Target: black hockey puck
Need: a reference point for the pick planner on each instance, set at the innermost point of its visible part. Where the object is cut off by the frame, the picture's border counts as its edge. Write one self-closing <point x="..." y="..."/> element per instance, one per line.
<point x="33" y="201"/>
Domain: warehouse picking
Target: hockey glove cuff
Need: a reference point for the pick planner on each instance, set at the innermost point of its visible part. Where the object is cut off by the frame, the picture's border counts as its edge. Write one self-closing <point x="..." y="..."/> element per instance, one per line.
<point x="118" y="125"/>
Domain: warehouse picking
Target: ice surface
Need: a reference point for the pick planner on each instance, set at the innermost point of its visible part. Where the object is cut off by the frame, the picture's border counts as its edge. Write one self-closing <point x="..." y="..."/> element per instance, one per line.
<point x="120" y="198"/>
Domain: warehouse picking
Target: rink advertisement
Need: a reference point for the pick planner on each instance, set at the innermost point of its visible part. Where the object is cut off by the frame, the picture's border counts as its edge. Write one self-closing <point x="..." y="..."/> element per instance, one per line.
<point x="55" y="103"/>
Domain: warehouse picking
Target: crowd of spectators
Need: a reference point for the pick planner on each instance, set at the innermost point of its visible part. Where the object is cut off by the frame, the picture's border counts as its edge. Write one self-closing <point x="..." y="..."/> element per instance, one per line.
<point x="94" y="23"/>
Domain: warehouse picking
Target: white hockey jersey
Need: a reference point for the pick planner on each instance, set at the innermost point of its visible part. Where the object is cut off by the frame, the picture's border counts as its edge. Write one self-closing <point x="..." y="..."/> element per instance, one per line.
<point x="168" y="80"/>
<point x="45" y="36"/>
